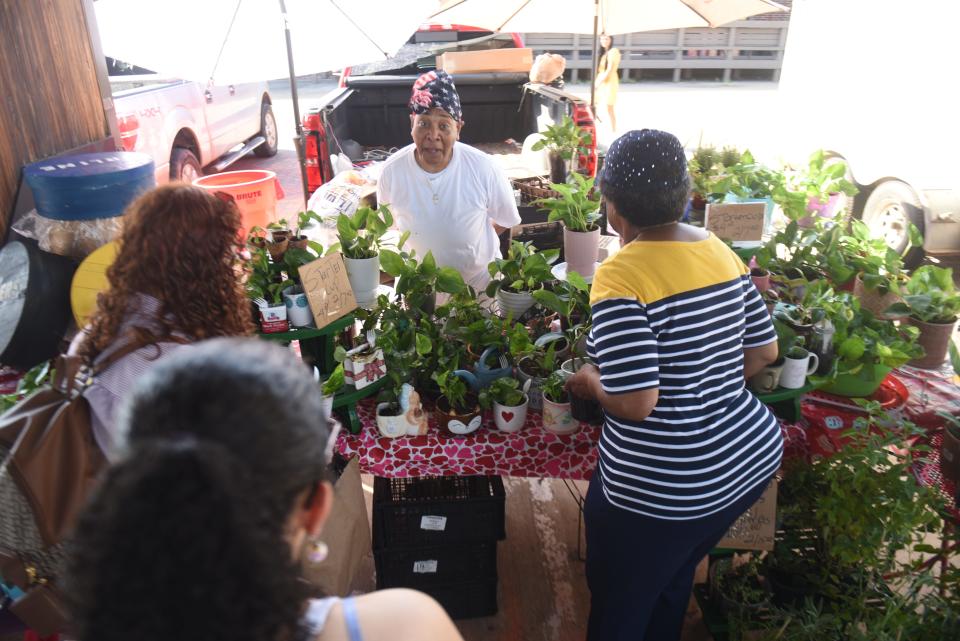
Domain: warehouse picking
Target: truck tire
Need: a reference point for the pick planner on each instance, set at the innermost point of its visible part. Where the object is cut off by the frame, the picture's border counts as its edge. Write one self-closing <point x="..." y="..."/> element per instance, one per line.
<point x="888" y="211"/>
<point x="268" y="129"/>
<point x="184" y="166"/>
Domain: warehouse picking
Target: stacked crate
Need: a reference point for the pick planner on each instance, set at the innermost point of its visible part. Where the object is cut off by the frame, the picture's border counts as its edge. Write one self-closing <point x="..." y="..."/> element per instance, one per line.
<point x="439" y="535"/>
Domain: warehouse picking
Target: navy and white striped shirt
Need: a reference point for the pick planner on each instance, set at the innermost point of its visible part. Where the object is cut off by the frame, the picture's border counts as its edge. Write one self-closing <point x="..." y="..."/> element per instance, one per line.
<point x="677" y="316"/>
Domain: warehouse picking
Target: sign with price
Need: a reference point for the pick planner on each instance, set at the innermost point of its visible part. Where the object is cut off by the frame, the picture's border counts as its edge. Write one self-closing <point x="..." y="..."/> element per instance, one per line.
<point x="755" y="528"/>
<point x="327" y="288"/>
<point x="740" y="223"/>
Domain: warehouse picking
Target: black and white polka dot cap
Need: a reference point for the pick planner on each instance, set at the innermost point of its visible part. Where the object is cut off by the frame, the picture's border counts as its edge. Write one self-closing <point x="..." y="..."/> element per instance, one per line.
<point x="645" y="160"/>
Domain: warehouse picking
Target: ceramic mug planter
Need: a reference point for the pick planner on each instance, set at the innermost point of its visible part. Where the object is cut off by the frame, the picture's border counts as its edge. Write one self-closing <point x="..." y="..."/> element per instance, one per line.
<point x="935" y="340"/>
<point x="455" y="424"/>
<point x="298" y="309"/>
<point x="364" y="277"/>
<point x="873" y="300"/>
<point x="273" y="319"/>
<point x="581" y="250"/>
<point x="768" y="379"/>
<point x="760" y="278"/>
<point x="513" y="304"/>
<point x="797" y="368"/>
<point x="509" y="418"/>
<point x="557" y="418"/>
<point x="536" y="382"/>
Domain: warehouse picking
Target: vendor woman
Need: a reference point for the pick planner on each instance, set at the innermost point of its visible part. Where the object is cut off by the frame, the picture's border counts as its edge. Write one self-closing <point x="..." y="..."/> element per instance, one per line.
<point x="453" y="199"/>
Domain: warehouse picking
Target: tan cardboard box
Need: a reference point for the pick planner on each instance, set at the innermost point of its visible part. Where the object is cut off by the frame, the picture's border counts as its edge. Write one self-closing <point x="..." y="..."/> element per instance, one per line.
<point x="509" y="60"/>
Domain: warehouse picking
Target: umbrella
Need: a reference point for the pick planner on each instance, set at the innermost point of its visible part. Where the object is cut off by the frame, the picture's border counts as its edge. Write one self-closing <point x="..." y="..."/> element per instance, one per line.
<point x="578" y="16"/>
<point x="234" y="41"/>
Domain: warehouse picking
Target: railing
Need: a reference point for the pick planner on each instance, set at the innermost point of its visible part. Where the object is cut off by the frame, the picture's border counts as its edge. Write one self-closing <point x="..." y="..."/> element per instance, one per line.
<point x="747" y="45"/>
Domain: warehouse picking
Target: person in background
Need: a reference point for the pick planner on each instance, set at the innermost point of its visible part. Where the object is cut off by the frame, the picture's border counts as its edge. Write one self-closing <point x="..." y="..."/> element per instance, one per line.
<point x="453" y="199"/>
<point x="198" y="531"/>
<point x="607" y="81"/>
<point x="685" y="449"/>
<point x="174" y="281"/>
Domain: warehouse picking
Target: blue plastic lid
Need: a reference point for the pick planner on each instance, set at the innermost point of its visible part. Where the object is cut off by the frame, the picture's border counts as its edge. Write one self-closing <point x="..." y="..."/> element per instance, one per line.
<point x="89" y="186"/>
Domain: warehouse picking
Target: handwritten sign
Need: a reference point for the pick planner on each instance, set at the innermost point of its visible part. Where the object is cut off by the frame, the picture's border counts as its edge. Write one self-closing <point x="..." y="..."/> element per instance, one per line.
<point x="755" y="528"/>
<point x="327" y="288"/>
<point x="740" y="223"/>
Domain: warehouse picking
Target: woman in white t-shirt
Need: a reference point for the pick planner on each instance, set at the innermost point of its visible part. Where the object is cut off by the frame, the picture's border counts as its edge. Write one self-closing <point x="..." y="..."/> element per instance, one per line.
<point x="453" y="199"/>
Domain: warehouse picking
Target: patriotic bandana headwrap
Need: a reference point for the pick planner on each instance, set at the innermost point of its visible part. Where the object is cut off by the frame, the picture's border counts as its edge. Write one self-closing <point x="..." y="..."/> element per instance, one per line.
<point x="435" y="89"/>
<point x="645" y="160"/>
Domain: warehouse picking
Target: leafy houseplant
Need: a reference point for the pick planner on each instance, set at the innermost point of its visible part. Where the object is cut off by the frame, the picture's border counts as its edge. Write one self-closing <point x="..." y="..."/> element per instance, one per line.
<point x="702" y="169"/>
<point x="564" y="142"/>
<point x="813" y="189"/>
<point x="265" y="282"/>
<point x="556" y="406"/>
<point x="419" y="282"/>
<point x="360" y="237"/>
<point x="577" y="208"/>
<point x="334" y="382"/>
<point x="304" y="220"/>
<point x="536" y="366"/>
<point x="514" y="278"/>
<point x="458" y="412"/>
<point x="508" y="402"/>
<point x="931" y="304"/>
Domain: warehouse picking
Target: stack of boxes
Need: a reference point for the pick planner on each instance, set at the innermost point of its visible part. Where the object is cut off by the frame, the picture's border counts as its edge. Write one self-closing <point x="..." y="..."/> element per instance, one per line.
<point x="439" y="535"/>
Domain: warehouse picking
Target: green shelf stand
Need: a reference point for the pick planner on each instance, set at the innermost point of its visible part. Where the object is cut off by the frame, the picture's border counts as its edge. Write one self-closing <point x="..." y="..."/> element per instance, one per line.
<point x="786" y="402"/>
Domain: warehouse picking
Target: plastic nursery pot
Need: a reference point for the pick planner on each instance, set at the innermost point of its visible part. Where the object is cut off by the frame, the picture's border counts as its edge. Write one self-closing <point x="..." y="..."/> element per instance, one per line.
<point x="364" y="277"/>
<point x="935" y="340"/>
<point x="716" y="575"/>
<point x="557" y="417"/>
<point x="510" y="418"/>
<point x="586" y="410"/>
<point x="458" y="425"/>
<point x="580" y="250"/>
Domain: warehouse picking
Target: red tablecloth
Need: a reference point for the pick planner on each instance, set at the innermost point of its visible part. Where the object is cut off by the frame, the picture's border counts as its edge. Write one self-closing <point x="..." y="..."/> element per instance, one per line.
<point x="531" y="452"/>
<point x="931" y="391"/>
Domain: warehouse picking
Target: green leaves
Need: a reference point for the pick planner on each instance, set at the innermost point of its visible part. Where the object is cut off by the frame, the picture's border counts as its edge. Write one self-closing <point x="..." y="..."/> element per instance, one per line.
<point x="449" y="281"/>
<point x="391" y="262"/>
<point x="424" y="344"/>
<point x="852" y="348"/>
<point x="360" y="234"/>
<point x="334" y="382"/>
<point x="576" y="207"/>
<point x="565" y="138"/>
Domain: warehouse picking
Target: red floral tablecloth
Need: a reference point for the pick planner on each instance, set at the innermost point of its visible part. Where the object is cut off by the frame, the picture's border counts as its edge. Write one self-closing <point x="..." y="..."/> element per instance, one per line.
<point x="531" y="452"/>
<point x="931" y="391"/>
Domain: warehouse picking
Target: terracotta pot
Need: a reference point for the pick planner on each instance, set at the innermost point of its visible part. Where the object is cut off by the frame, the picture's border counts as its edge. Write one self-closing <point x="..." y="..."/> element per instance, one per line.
<point x="458" y="425"/>
<point x="935" y="340"/>
<point x="950" y="456"/>
<point x="300" y="242"/>
<point x="557" y="418"/>
<point x="278" y="248"/>
<point x="760" y="278"/>
<point x="872" y="299"/>
<point x="581" y="250"/>
<point x="510" y="418"/>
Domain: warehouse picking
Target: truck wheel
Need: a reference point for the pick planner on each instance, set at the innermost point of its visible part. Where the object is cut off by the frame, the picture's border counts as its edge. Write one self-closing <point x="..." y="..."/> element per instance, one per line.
<point x="184" y="166"/>
<point x="890" y="208"/>
<point x="268" y="129"/>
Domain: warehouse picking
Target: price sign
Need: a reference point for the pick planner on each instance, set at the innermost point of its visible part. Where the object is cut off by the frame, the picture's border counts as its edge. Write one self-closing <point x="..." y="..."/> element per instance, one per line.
<point x="740" y="223"/>
<point x="755" y="528"/>
<point x="327" y="288"/>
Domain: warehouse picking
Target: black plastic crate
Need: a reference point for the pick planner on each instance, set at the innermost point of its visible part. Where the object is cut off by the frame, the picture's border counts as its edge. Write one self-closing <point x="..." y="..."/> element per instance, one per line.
<point x="428" y="566"/>
<point x="467" y="600"/>
<point x="438" y="510"/>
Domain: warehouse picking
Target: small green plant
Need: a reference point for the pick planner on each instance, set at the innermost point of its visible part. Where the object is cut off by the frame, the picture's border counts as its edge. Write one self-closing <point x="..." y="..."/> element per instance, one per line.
<point x="419" y="282"/>
<point x="505" y="391"/>
<point x="34" y="379"/>
<point x="454" y="389"/>
<point x="553" y="388"/>
<point x="360" y="235"/>
<point x="742" y="176"/>
<point x="266" y="278"/>
<point x="334" y="382"/>
<point x="930" y="296"/>
<point x="570" y="298"/>
<point x="564" y="138"/>
<point x="306" y="219"/>
<point x="523" y="270"/>
<point x="542" y="361"/>
<point x="795" y="190"/>
<point x="577" y="207"/>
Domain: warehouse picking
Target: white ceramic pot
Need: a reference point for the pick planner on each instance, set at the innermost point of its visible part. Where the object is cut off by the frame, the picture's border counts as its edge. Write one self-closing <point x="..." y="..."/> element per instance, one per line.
<point x="795" y="370"/>
<point x="510" y="419"/>
<point x="273" y="319"/>
<point x="391" y="426"/>
<point x="513" y="304"/>
<point x="298" y="309"/>
<point x="580" y="250"/>
<point x="364" y="276"/>
<point x="557" y="418"/>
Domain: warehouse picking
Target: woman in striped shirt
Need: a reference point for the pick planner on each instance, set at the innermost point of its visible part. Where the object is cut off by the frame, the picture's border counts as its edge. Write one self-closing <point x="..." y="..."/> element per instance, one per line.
<point x="685" y="449"/>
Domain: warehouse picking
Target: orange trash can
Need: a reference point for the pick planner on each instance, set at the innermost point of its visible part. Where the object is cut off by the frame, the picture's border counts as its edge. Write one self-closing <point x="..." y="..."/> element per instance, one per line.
<point x="254" y="190"/>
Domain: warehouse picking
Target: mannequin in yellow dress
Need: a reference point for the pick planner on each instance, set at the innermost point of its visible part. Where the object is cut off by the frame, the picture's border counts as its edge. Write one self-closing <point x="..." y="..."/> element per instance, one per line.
<point x="608" y="81"/>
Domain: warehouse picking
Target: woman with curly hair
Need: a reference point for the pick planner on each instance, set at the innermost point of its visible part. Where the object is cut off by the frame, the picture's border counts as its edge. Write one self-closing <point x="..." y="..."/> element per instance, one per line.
<point x="198" y="531"/>
<point x="174" y="281"/>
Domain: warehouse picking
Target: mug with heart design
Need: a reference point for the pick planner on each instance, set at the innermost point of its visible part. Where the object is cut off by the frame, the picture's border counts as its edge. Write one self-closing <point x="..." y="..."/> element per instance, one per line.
<point x="509" y="418"/>
<point x="798" y="364"/>
<point x="768" y="379"/>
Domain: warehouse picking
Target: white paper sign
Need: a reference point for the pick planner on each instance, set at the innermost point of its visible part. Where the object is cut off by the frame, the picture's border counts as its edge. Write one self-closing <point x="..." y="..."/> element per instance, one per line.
<point x="425" y="567"/>
<point x="435" y="523"/>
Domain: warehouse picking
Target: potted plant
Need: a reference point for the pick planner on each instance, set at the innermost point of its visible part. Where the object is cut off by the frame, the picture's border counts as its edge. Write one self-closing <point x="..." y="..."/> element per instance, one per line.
<point x="304" y="219"/>
<point x="298" y="308"/>
<point x="516" y="277"/>
<point x="741" y="179"/>
<point x="931" y="304"/>
<point x="508" y="402"/>
<point x="359" y="238"/>
<point x="556" y="406"/>
<point x="950" y="447"/>
<point x="264" y="286"/>
<point x="564" y="142"/>
<point x="818" y="189"/>
<point x="739" y="587"/>
<point x="879" y="270"/>
<point x="702" y="170"/>
<point x="458" y="410"/>
<point x="535" y="366"/>
<point x="402" y="413"/>
<point x="577" y="207"/>
<point x="418" y="282"/>
<point x="330" y="387"/>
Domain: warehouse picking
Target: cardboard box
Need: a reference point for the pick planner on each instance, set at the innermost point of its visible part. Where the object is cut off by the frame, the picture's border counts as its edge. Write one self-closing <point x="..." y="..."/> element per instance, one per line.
<point x="507" y="60"/>
<point x="755" y="529"/>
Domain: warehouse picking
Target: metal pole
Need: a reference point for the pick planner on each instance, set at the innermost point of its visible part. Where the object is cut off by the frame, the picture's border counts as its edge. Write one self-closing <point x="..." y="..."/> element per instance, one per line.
<point x="593" y="69"/>
<point x="298" y="140"/>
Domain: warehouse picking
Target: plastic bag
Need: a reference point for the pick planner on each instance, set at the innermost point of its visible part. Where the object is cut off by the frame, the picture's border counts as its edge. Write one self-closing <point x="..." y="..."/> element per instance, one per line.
<point x="73" y="238"/>
<point x="334" y="198"/>
<point x="547" y="68"/>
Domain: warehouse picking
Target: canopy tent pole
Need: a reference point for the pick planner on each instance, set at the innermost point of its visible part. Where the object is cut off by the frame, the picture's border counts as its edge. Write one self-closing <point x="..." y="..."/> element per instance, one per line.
<point x="593" y="69"/>
<point x="298" y="140"/>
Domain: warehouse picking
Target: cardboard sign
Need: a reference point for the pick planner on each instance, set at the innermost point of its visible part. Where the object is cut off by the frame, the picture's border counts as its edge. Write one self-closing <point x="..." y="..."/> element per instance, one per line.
<point x="327" y="288"/>
<point x="740" y="223"/>
<point x="755" y="528"/>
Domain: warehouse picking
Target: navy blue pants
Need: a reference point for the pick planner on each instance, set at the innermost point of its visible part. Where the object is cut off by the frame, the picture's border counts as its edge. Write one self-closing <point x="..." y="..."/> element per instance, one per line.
<point x="640" y="569"/>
